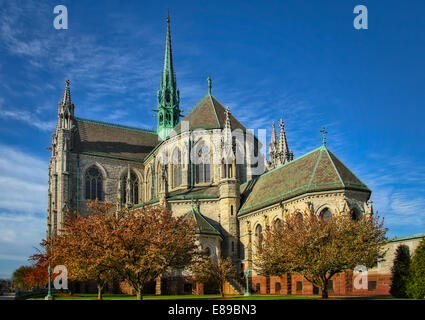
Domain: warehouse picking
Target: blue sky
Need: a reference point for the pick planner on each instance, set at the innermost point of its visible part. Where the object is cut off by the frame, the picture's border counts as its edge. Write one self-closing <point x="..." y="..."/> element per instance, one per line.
<point x="300" y="60"/>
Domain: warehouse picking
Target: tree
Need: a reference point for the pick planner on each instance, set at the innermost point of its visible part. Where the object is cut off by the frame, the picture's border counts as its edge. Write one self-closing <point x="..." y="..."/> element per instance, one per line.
<point x="144" y="243"/>
<point x="400" y="272"/>
<point x="319" y="248"/>
<point x="416" y="282"/>
<point x="213" y="270"/>
<point x="83" y="245"/>
<point x="38" y="276"/>
<point x="19" y="275"/>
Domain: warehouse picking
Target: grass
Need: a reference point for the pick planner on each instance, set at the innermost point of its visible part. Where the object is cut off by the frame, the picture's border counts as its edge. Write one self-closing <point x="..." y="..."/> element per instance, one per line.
<point x="86" y="296"/>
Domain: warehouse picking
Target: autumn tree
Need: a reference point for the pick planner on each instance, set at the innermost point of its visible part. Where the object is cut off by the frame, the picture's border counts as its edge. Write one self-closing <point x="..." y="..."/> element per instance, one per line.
<point x="145" y="243"/>
<point x="400" y="272"/>
<point x="83" y="245"/>
<point x="416" y="283"/>
<point x="37" y="276"/>
<point x="213" y="270"/>
<point x="319" y="248"/>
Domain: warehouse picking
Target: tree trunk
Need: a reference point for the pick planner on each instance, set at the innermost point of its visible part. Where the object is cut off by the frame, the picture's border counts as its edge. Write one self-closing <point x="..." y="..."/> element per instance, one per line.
<point x="99" y="291"/>
<point x="325" y="291"/>
<point x="139" y="294"/>
<point x="221" y="289"/>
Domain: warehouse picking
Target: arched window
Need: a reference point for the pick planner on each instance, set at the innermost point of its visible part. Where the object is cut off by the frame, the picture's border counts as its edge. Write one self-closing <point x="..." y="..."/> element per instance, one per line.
<point x="177" y="168"/>
<point x="299" y="216"/>
<point x="202" y="164"/>
<point x="240" y="173"/>
<point x="94" y="184"/>
<point x="356" y="215"/>
<point x="134" y="188"/>
<point x="259" y="236"/>
<point x="277" y="224"/>
<point x="326" y="214"/>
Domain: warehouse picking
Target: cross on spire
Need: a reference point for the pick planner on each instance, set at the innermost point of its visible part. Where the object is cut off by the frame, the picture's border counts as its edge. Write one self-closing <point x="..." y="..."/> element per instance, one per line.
<point x="324" y="133"/>
<point x="209" y="85"/>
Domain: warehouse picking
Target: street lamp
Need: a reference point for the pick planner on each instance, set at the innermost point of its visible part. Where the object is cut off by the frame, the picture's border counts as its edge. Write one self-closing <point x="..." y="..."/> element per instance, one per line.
<point x="49" y="293"/>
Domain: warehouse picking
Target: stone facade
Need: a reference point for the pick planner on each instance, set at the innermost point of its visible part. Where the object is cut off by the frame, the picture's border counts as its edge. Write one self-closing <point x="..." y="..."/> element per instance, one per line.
<point x="208" y="165"/>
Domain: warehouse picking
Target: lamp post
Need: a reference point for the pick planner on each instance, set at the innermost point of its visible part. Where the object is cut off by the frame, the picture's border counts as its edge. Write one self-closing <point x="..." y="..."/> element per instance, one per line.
<point x="49" y="293"/>
<point x="247" y="271"/>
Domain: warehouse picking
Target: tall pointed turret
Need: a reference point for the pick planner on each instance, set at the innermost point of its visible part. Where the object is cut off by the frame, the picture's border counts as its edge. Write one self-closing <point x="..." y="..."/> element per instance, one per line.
<point x="168" y="112"/>
<point x="66" y="109"/>
<point x="285" y="155"/>
<point x="273" y="145"/>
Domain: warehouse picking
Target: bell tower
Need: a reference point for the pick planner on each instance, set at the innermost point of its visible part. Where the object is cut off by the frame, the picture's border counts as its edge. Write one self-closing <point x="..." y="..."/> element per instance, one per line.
<point x="168" y="112"/>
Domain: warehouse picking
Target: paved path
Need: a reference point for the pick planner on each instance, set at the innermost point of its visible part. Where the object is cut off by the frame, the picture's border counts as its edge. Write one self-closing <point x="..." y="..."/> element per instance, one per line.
<point x="7" y="296"/>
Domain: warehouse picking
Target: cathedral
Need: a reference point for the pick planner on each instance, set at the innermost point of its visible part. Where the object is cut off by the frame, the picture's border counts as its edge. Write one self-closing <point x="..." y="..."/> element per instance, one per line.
<point x="206" y="165"/>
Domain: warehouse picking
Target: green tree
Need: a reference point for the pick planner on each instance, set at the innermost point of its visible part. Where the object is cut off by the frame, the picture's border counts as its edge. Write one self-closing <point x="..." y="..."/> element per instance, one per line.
<point x="400" y="272"/>
<point x="416" y="282"/>
<point x="19" y="276"/>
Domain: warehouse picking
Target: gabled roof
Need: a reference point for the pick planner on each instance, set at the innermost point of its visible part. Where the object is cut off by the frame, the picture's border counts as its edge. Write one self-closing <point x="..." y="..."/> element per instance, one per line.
<point x="318" y="170"/>
<point x="208" y="114"/>
<point x="110" y="140"/>
<point x="203" y="227"/>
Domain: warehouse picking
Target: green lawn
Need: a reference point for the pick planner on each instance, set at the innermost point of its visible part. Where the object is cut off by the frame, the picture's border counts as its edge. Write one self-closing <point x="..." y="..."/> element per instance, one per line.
<point x="87" y="296"/>
<point x="205" y="297"/>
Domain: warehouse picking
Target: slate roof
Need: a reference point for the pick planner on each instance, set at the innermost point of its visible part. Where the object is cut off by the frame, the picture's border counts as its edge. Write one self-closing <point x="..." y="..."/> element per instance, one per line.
<point x="208" y="114"/>
<point x="110" y="140"/>
<point x="319" y="170"/>
<point x="203" y="227"/>
<point x="207" y="192"/>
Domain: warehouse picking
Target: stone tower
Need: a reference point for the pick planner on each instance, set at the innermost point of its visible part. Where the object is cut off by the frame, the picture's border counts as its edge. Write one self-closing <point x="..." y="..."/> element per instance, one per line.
<point x="60" y="189"/>
<point x="168" y="112"/>
<point x="229" y="190"/>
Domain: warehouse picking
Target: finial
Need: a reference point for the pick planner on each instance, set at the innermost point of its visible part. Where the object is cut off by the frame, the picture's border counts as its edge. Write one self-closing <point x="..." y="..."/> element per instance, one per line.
<point x="209" y="85"/>
<point x="324" y="133"/>
<point x="168" y="16"/>
<point x="281" y="124"/>
<point x="66" y="99"/>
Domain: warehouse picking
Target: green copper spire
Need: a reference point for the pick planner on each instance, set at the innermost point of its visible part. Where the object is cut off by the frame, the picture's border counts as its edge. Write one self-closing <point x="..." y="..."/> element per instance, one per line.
<point x="168" y="112"/>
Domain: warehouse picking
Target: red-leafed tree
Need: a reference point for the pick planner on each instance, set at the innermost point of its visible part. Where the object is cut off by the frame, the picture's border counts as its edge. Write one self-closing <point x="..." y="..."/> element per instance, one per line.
<point x="133" y="245"/>
<point x="318" y="249"/>
<point x="83" y="245"/>
<point x="145" y="243"/>
<point x="37" y="277"/>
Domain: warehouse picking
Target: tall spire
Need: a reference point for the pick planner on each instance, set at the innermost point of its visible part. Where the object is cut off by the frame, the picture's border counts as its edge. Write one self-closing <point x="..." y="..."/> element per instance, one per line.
<point x="273" y="145"/>
<point x="168" y="111"/>
<point x="168" y="76"/>
<point x="66" y="100"/>
<point x="66" y="109"/>
<point x="284" y="152"/>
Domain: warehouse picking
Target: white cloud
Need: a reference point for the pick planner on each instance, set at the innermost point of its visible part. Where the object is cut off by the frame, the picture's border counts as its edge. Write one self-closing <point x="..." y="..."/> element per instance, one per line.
<point x="23" y="202"/>
<point x="29" y="118"/>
